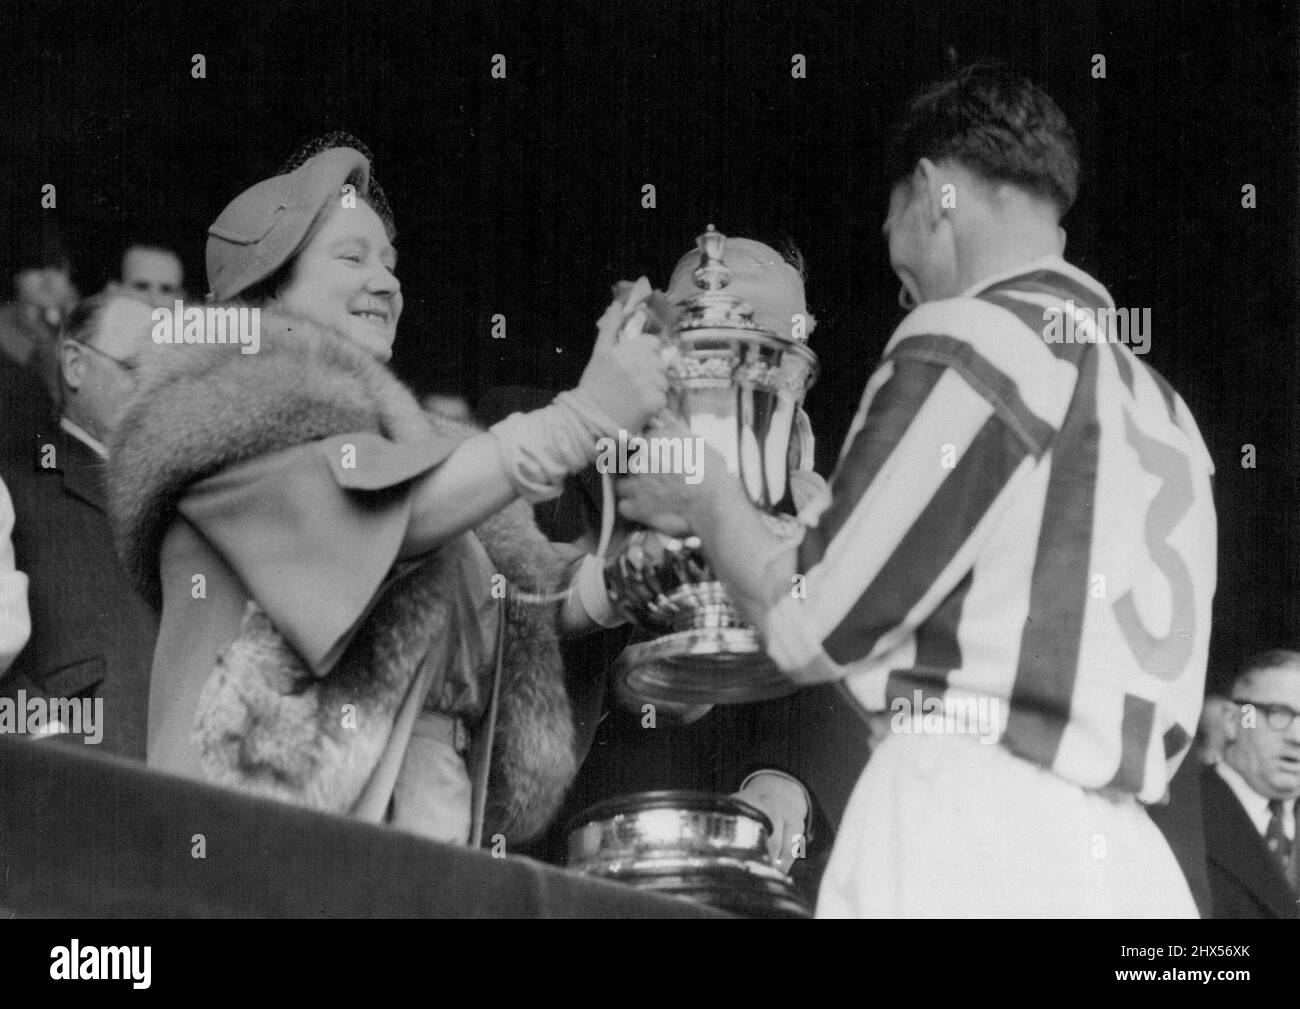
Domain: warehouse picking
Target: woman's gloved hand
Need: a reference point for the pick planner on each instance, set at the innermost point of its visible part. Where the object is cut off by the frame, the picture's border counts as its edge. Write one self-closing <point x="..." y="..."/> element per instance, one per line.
<point x="626" y="379"/>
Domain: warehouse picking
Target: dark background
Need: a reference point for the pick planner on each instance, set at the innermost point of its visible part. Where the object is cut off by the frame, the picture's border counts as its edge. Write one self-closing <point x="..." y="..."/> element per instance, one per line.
<point x="523" y="196"/>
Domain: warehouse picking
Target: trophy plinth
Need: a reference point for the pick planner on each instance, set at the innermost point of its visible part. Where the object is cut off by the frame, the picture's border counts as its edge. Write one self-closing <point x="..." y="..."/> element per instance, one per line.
<point x="738" y="386"/>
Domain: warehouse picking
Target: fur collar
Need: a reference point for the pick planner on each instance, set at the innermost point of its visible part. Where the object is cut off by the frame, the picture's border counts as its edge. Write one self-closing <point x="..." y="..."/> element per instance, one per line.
<point x="199" y="408"/>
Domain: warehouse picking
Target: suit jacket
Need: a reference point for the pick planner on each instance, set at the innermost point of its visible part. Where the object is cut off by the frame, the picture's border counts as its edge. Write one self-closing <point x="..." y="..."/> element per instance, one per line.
<point x="1181" y="821"/>
<point x="92" y="633"/>
<point x="1245" y="879"/>
<point x="28" y="417"/>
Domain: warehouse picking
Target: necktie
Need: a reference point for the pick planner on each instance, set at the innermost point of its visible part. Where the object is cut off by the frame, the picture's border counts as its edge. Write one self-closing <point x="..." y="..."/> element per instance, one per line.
<point x="1280" y="846"/>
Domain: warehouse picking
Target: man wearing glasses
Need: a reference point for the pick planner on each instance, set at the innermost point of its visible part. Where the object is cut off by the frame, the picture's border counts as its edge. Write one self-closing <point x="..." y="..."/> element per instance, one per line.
<point x="100" y="350"/>
<point x="92" y="636"/>
<point x="1249" y="798"/>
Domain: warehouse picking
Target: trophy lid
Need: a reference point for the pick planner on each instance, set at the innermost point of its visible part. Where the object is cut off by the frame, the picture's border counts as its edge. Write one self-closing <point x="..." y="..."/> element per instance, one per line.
<point x="730" y="278"/>
<point x="712" y="306"/>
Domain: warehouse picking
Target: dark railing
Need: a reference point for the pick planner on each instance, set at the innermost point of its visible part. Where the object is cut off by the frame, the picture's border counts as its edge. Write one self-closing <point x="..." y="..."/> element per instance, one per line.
<point x="83" y="835"/>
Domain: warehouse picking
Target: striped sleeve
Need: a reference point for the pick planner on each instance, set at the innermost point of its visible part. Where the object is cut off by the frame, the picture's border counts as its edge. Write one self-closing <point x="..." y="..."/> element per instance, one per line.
<point x="942" y="436"/>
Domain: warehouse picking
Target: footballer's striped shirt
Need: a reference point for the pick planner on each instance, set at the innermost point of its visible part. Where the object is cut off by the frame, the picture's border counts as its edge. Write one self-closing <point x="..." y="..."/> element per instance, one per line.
<point x="1018" y="518"/>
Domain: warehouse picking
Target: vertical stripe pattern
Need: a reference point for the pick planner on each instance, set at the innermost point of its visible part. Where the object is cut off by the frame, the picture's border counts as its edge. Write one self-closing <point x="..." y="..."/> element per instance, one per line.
<point x="994" y="532"/>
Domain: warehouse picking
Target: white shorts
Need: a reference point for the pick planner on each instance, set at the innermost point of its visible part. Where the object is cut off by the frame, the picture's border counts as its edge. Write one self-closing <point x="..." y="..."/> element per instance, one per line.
<point x="949" y="827"/>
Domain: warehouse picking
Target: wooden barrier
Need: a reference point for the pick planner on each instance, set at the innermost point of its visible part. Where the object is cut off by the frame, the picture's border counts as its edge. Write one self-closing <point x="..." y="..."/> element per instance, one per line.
<point x="83" y="835"/>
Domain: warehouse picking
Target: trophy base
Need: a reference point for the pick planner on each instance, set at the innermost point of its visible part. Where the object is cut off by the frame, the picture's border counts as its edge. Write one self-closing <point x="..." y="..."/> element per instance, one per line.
<point x="698" y="846"/>
<point x="714" y="665"/>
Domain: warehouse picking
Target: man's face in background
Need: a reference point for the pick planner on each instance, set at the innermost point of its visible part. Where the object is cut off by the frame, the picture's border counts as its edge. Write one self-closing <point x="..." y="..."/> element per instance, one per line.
<point x="1268" y="758"/>
<point x="155" y="276"/>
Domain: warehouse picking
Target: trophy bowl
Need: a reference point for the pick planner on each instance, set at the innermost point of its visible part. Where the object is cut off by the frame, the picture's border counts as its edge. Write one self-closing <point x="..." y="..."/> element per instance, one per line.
<point x="693" y="845"/>
<point x="738" y="387"/>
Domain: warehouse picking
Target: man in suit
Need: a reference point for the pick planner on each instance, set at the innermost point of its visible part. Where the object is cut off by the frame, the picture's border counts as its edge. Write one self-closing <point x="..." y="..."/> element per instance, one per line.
<point x="1249" y="797"/>
<point x="92" y="636"/>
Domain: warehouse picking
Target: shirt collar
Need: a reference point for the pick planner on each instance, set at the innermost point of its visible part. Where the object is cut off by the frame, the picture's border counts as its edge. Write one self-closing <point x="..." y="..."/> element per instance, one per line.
<point x="1255" y="805"/>
<point x="83" y="436"/>
<point x="1054" y="263"/>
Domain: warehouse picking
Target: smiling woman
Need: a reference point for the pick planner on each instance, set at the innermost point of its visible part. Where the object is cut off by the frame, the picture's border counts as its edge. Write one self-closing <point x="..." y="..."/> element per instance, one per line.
<point x="336" y="550"/>
<point x="344" y="278"/>
<point x="343" y="273"/>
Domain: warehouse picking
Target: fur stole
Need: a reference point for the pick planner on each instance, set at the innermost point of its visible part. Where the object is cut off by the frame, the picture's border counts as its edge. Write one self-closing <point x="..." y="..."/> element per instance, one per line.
<point x="265" y="723"/>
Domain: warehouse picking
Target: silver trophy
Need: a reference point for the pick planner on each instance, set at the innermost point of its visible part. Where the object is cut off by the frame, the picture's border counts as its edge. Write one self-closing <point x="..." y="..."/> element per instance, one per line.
<point x="693" y="845"/>
<point x="739" y="387"/>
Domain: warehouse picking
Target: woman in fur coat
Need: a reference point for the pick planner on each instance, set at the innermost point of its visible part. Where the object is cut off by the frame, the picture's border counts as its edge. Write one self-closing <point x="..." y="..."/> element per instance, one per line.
<point x="329" y="560"/>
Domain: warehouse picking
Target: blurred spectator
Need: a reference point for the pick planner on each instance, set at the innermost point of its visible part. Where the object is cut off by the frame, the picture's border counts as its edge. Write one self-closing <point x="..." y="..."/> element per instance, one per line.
<point x="43" y="295"/>
<point x="28" y="416"/>
<point x="1249" y="797"/>
<point x="1211" y="736"/>
<point x="153" y="274"/>
<point x="15" y="624"/>
<point x="91" y="634"/>
<point x="1181" y="818"/>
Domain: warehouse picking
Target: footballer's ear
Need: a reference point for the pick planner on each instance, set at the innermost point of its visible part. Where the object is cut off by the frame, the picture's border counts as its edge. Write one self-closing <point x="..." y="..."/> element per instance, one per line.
<point x="928" y="182"/>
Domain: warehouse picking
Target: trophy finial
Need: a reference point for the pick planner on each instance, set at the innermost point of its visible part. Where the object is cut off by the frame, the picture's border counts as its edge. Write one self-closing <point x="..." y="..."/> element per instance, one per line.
<point x="711" y="306"/>
<point x="712" y="274"/>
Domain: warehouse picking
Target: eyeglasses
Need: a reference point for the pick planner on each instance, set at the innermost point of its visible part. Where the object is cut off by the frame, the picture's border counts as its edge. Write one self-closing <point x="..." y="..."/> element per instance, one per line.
<point x="1278" y="717"/>
<point x="144" y="287"/>
<point x="128" y="366"/>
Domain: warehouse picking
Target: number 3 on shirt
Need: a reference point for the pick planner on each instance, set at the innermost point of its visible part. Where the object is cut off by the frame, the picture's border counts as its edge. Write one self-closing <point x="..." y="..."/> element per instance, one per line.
<point x="1164" y="658"/>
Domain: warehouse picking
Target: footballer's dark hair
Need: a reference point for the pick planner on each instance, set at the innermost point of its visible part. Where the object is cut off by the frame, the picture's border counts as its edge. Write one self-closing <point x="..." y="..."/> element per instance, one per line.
<point x="995" y="123"/>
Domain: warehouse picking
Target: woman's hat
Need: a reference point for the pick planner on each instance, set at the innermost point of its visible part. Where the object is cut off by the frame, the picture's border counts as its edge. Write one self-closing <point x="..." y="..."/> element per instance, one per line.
<point x="266" y="225"/>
